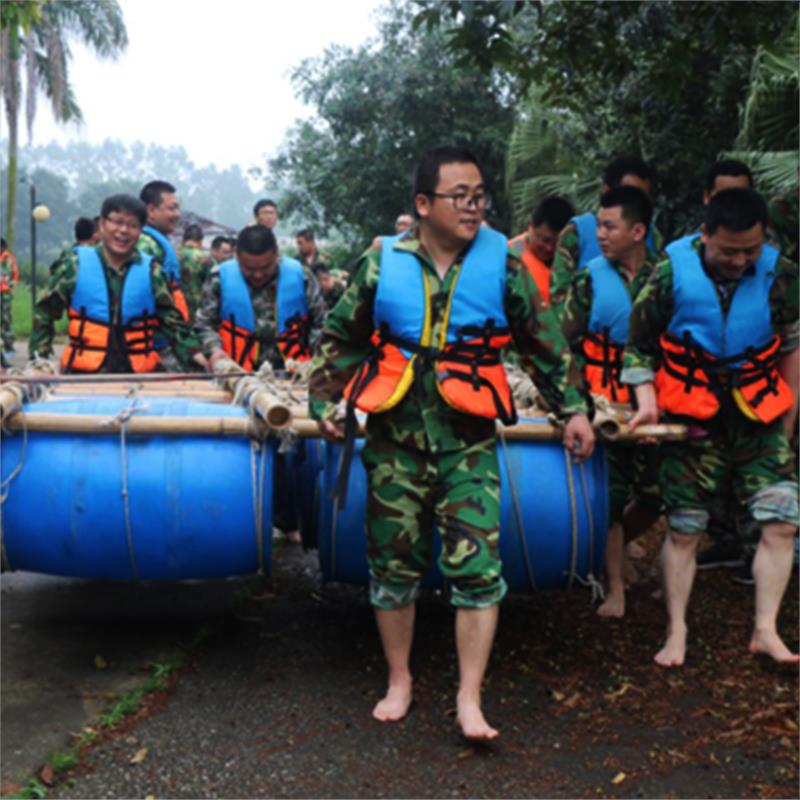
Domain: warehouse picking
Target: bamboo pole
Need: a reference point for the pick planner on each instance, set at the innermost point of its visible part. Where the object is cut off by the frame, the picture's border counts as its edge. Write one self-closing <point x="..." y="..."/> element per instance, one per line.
<point x="12" y="397"/>
<point x="179" y="389"/>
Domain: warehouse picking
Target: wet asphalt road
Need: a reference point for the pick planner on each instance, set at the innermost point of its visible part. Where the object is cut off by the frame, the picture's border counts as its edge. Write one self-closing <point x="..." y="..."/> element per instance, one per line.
<point x="277" y="702"/>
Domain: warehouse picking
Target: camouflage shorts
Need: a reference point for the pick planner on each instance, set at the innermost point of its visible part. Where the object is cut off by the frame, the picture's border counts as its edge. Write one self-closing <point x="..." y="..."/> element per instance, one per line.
<point x="410" y="491"/>
<point x="6" y="331"/>
<point x="632" y="475"/>
<point x="751" y="463"/>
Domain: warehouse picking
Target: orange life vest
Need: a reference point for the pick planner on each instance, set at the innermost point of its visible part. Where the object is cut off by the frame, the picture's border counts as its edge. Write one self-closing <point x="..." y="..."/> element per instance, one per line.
<point x="538" y="270"/>
<point x="7" y="282"/>
<point x="706" y="355"/>
<point x="466" y="360"/>
<point x="90" y="318"/>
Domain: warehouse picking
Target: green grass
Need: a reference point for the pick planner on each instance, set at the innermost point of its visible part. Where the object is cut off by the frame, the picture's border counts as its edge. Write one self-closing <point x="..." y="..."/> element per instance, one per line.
<point x="22" y="313"/>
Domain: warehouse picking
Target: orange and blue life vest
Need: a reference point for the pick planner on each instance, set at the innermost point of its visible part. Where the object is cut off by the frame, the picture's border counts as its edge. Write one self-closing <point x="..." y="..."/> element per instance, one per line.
<point x="465" y="359"/>
<point x="588" y="245"/>
<point x="707" y="354"/>
<point x="607" y="331"/>
<point x="238" y="320"/>
<point x="91" y="324"/>
<point x="538" y="270"/>
<point x="172" y="269"/>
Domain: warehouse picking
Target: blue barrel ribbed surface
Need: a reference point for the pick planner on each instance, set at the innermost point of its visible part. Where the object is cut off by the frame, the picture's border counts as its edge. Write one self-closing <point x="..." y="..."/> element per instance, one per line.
<point x="193" y="501"/>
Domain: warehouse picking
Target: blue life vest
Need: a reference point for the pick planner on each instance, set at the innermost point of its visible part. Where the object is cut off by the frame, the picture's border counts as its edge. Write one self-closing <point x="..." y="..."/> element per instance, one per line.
<point x="171" y="264"/>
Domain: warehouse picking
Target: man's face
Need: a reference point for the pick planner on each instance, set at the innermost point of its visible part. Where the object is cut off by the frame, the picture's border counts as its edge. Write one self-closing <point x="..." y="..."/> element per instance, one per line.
<point x="267" y="216"/>
<point x="260" y="269"/>
<point x="542" y="241"/>
<point x="305" y="246"/>
<point x="164" y="216"/>
<point x="326" y="282"/>
<point x="193" y="244"/>
<point x="119" y="233"/>
<point x="729" y="253"/>
<point x="616" y="236"/>
<point x="454" y="219"/>
<point x="403" y="223"/>
<point x="222" y="253"/>
<point x="640" y="183"/>
<point x="722" y="182"/>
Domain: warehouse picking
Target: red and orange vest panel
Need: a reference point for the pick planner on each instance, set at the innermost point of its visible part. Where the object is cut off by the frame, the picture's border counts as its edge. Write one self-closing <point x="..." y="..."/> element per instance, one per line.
<point x="465" y="358"/>
<point x="91" y="323"/>
<point x="706" y="354"/>
<point x="538" y="270"/>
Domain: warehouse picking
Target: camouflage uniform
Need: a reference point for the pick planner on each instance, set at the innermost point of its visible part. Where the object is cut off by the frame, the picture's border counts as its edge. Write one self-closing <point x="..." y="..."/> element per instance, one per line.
<point x="56" y="298"/>
<point x="425" y="460"/>
<point x="565" y="264"/>
<point x="196" y="266"/>
<point x="728" y="450"/>
<point x="632" y="470"/>
<point x="783" y="214"/>
<point x="265" y="309"/>
<point x="9" y="277"/>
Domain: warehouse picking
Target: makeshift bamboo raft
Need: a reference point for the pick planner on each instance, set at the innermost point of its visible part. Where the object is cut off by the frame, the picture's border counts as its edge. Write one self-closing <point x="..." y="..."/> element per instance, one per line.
<point x="161" y="476"/>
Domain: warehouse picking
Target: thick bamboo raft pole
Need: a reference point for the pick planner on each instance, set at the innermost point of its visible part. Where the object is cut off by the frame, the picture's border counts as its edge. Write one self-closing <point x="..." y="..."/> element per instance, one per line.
<point x="186" y="389"/>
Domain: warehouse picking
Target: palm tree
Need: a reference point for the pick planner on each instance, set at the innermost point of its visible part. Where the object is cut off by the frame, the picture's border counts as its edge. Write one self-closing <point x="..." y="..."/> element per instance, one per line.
<point x="44" y="49"/>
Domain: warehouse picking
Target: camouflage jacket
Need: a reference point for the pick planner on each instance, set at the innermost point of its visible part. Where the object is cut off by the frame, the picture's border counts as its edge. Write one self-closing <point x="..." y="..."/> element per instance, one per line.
<point x="423" y="420"/>
<point x="565" y="264"/>
<point x="655" y="306"/>
<point x="56" y="298"/>
<point x="264" y="300"/>
<point x="196" y="266"/>
<point x="578" y="306"/>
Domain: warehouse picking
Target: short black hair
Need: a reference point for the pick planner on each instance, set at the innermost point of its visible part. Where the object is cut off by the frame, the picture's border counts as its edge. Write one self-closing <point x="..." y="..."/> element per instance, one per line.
<point x="218" y="241"/>
<point x="626" y="165"/>
<point x="192" y="233"/>
<point x="255" y="240"/>
<point x="124" y="202"/>
<point x="727" y="166"/>
<point x="261" y="204"/>
<point x="635" y="204"/>
<point x="320" y="267"/>
<point x="153" y="192"/>
<point x="553" y="211"/>
<point x="305" y="233"/>
<point x="735" y="209"/>
<point x="426" y="177"/>
<point x="84" y="229"/>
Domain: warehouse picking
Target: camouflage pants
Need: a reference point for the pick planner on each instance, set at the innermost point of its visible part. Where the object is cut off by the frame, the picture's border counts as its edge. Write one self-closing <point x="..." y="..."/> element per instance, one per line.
<point x="410" y="491"/>
<point x="632" y="475"/>
<point x="6" y="332"/>
<point x="751" y="463"/>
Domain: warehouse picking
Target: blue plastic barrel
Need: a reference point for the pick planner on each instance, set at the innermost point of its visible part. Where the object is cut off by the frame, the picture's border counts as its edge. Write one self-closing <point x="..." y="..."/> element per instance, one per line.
<point x="549" y="532"/>
<point x="310" y="462"/>
<point x="198" y="506"/>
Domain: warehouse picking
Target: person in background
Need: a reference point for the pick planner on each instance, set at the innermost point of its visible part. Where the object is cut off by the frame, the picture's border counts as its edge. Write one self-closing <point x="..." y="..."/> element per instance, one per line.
<point x="537" y="247"/>
<point x="403" y="223"/>
<point x="9" y="278"/>
<point x="196" y="266"/>
<point x="221" y="249"/>
<point x="265" y="213"/>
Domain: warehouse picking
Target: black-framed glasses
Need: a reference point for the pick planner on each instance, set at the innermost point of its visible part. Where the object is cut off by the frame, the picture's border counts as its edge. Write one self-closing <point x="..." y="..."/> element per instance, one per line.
<point x="480" y="201"/>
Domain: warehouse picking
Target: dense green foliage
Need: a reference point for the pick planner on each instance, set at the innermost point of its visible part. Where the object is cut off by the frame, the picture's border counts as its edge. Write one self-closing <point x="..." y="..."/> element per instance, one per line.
<point x="377" y="108"/>
<point x="665" y="80"/>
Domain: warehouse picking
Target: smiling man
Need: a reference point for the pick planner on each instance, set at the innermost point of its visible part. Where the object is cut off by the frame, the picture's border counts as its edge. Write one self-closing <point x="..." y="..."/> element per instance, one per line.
<point x="714" y="343"/>
<point x="117" y="299"/>
<point x="415" y="342"/>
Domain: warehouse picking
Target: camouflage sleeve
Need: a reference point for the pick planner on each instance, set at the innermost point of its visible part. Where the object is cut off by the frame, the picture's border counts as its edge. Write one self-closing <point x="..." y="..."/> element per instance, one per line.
<point x="317" y="309"/>
<point x="783" y="303"/>
<point x="183" y="342"/>
<point x="543" y="351"/>
<point x="207" y="320"/>
<point x="650" y="316"/>
<point x="52" y="305"/>
<point x="564" y="265"/>
<point x="149" y="246"/>
<point x="575" y="317"/>
<point x="345" y="340"/>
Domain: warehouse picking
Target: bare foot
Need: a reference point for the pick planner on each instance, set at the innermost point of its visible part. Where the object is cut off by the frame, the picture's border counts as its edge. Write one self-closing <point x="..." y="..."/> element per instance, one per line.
<point x="473" y="724"/>
<point x="673" y="652"/>
<point x="294" y="537"/>
<point x="614" y="606"/>
<point x="770" y="644"/>
<point x="395" y="705"/>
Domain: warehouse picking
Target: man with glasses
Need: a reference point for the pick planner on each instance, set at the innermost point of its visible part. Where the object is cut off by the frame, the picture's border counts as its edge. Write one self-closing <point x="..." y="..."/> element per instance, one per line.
<point x="415" y="341"/>
<point x="117" y="298"/>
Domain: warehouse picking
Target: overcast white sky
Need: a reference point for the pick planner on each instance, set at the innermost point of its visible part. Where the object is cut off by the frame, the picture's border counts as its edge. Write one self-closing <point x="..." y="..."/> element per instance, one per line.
<point x="213" y="77"/>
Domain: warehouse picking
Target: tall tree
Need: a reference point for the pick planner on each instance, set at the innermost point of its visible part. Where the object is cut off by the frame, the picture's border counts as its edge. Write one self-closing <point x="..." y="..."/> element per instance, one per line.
<point x="44" y="46"/>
